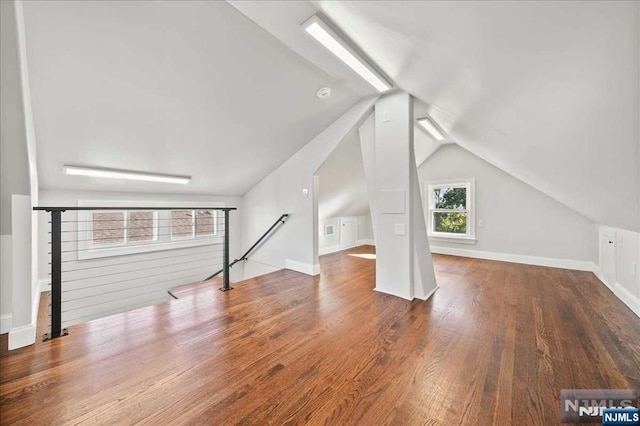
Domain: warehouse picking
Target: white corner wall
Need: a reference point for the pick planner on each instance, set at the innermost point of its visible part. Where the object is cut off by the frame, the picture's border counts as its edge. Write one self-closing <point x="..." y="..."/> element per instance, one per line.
<point x="521" y="223"/>
<point x="624" y="280"/>
<point x="292" y="245"/>
<point x="331" y="243"/>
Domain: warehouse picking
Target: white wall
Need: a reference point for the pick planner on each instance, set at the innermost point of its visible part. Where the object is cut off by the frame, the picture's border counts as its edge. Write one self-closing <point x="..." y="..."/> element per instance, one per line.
<point x="331" y="243"/>
<point x="341" y="180"/>
<point x="293" y="245"/>
<point x="18" y="184"/>
<point x="117" y="297"/>
<point x="625" y="282"/>
<point x="518" y="219"/>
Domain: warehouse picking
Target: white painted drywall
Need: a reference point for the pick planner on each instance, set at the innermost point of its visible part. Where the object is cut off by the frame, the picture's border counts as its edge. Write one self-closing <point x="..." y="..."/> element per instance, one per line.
<point x="367" y="136"/>
<point x="14" y="160"/>
<point x="518" y="218"/>
<point x="341" y="180"/>
<point x="331" y="243"/>
<point x="18" y="184"/>
<point x="626" y="284"/>
<point x="282" y="192"/>
<point x="23" y="315"/>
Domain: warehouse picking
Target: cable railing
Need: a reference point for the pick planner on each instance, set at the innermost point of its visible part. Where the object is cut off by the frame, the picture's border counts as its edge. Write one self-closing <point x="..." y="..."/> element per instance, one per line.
<point x="106" y="260"/>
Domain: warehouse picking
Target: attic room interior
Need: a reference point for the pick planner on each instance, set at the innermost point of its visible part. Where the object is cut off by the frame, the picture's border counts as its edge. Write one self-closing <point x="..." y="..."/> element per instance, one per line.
<point x="319" y="212"/>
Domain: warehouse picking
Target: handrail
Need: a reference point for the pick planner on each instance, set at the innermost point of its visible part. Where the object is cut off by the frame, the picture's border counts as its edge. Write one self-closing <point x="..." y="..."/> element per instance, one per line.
<point x="62" y="209"/>
<point x="281" y="220"/>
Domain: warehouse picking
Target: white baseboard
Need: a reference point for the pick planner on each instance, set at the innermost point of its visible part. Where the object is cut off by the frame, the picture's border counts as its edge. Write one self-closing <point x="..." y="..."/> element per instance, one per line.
<point x="403" y="296"/>
<point x="305" y="268"/>
<point x="328" y="250"/>
<point x="25" y="335"/>
<point x="22" y="336"/>
<point x="429" y="294"/>
<point x="391" y="293"/>
<point x="5" y="323"/>
<point x="577" y="265"/>
<point x="334" y="249"/>
<point x="599" y="276"/>
<point x="44" y="284"/>
<point x="629" y="299"/>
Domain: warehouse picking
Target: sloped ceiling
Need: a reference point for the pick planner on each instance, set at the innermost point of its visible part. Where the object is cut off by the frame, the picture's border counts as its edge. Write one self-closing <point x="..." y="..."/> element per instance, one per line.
<point x="342" y="182"/>
<point x="190" y="88"/>
<point x="547" y="91"/>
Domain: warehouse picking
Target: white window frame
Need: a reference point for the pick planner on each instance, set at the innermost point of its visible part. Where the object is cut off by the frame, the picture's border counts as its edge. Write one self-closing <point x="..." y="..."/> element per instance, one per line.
<point x="470" y="185"/>
<point x="85" y="250"/>
<point x="194" y="219"/>
<point x="92" y="246"/>
<point x="215" y="229"/>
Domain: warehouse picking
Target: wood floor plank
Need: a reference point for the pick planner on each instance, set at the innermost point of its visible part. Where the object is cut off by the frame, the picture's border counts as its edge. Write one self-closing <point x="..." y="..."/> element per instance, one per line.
<point x="494" y="345"/>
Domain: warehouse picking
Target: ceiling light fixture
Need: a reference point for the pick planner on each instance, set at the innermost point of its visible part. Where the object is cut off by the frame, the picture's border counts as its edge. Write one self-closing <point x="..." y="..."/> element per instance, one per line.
<point x="324" y="93"/>
<point x="323" y="33"/>
<point x="124" y="174"/>
<point x="432" y="128"/>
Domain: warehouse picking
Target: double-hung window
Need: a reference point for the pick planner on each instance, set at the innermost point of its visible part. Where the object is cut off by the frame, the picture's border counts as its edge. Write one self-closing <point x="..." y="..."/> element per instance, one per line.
<point x="105" y="233"/>
<point x="451" y="210"/>
<point x="189" y="224"/>
<point x="122" y="228"/>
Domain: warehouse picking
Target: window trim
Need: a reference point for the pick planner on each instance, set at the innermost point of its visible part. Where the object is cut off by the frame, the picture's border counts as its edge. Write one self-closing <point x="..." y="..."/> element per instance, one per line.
<point x="163" y="241"/>
<point x="470" y="236"/>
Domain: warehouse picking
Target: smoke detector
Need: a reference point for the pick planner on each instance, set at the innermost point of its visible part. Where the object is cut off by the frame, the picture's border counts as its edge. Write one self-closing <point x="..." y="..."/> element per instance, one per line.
<point x="324" y="93"/>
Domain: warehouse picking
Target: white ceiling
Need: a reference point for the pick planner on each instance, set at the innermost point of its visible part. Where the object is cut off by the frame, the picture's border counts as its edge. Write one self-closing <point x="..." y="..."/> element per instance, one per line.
<point x="547" y="91"/>
<point x="190" y="88"/>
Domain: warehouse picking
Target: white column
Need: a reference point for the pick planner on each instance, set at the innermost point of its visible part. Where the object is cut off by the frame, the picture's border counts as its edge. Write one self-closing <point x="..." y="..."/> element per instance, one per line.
<point x="403" y="262"/>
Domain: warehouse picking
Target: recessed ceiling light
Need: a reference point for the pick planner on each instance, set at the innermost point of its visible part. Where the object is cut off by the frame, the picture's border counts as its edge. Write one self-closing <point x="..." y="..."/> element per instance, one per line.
<point x="324" y="93"/>
<point x="323" y="33"/>
<point x="124" y="174"/>
<point x="432" y="128"/>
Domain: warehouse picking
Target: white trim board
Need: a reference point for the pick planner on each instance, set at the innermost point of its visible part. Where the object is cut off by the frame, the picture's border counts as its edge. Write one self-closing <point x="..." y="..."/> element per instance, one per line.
<point x="406" y="298"/>
<point x="627" y="298"/>
<point x="576" y="265"/>
<point x="336" y="248"/>
<point x="5" y="323"/>
<point x="25" y="335"/>
<point x="305" y="268"/>
<point x="621" y="293"/>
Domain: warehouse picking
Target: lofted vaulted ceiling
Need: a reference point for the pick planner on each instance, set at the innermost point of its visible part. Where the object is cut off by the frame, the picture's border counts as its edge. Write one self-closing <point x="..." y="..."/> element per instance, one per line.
<point x="191" y="88"/>
<point x="547" y="91"/>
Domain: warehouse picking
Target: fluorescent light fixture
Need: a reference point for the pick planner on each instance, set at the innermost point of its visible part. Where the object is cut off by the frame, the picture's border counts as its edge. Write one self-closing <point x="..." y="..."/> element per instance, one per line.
<point x="124" y="174"/>
<point x="319" y="30"/>
<point x="432" y="128"/>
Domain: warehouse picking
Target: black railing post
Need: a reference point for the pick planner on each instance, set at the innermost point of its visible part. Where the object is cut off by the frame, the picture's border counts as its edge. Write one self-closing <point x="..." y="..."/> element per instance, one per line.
<point x="56" y="276"/>
<point x="225" y="265"/>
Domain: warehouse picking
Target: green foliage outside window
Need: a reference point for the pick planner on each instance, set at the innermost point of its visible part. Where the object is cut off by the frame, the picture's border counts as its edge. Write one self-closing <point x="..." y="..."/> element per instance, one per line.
<point x="450" y="199"/>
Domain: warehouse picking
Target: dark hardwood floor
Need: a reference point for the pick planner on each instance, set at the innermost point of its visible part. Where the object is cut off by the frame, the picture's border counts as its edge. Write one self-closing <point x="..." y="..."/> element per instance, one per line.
<point x="494" y="345"/>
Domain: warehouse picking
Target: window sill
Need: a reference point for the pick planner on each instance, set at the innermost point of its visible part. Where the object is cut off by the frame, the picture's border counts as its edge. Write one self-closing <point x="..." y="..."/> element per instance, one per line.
<point x="455" y="240"/>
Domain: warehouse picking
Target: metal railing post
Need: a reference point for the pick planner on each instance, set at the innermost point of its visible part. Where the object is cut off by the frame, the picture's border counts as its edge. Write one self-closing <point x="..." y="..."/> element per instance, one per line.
<point x="225" y="265"/>
<point x="56" y="276"/>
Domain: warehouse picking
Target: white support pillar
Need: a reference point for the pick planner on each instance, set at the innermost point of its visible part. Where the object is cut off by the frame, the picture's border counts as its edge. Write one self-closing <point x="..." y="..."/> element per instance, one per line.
<point x="404" y="267"/>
